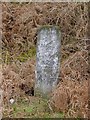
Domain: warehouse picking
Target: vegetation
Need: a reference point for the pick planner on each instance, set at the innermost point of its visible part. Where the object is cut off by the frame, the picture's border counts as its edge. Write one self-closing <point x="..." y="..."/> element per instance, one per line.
<point x="26" y="55"/>
<point x="21" y="22"/>
<point x="38" y="108"/>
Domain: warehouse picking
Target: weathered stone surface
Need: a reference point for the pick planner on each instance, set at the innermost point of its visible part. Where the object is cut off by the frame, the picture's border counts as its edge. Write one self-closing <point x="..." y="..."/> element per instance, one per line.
<point x="48" y="60"/>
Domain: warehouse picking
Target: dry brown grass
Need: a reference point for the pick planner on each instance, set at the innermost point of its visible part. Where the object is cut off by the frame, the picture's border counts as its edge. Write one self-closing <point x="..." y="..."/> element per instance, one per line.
<point x="21" y="21"/>
<point x="13" y="77"/>
<point x="71" y="97"/>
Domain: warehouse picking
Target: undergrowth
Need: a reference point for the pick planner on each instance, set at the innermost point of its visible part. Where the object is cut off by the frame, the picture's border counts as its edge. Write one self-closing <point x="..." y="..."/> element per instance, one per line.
<point x="20" y="25"/>
<point x="26" y="55"/>
<point x="38" y="108"/>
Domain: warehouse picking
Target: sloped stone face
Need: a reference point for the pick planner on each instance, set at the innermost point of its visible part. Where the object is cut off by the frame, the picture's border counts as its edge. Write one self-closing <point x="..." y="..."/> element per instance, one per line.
<point x="48" y="60"/>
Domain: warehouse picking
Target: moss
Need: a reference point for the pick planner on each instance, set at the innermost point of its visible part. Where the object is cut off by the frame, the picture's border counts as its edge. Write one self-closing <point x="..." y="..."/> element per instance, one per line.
<point x="28" y="54"/>
<point x="32" y="52"/>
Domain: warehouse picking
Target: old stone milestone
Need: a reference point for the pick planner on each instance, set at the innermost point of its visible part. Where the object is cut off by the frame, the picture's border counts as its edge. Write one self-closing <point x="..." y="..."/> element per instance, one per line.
<point x="47" y="60"/>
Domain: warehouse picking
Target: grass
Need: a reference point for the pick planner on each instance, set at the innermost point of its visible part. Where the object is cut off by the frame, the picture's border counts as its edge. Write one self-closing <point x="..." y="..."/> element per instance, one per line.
<point x="7" y="57"/>
<point x="37" y="108"/>
<point x="29" y="54"/>
<point x="21" y="57"/>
